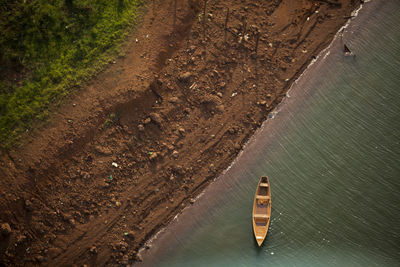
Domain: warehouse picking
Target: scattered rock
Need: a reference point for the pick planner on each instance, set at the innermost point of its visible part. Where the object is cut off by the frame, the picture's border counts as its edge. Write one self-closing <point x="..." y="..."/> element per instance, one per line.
<point x="237" y="146"/>
<point x="175" y="154"/>
<point x="114" y="164"/>
<point x="192" y="200"/>
<point x="220" y="108"/>
<point x="262" y="103"/>
<point x="139" y="258"/>
<point x="147" y="121"/>
<point x="93" y="250"/>
<point x="174" y="100"/>
<point x="28" y="205"/>
<point x="153" y="156"/>
<point x="123" y="246"/>
<point x="181" y="131"/>
<point x="212" y="167"/>
<point x="125" y="260"/>
<point x="5" y="229"/>
<point x="219" y="94"/>
<point x="140" y="127"/>
<point x="117" y="204"/>
<point x="185" y="77"/>
<point x="102" y="150"/>
<point x="155" y="117"/>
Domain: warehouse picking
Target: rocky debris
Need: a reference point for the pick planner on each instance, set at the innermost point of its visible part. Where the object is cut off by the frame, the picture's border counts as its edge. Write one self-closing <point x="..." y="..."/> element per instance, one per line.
<point x="118" y="204"/>
<point x="155" y="117"/>
<point x="185" y="77"/>
<point x="181" y="131"/>
<point x="123" y="246"/>
<point x="147" y="121"/>
<point x="192" y="200"/>
<point x="153" y="155"/>
<point x="103" y="150"/>
<point x="93" y="250"/>
<point x="5" y="230"/>
<point x="175" y="154"/>
<point x="125" y="260"/>
<point x="21" y="239"/>
<point x="237" y="146"/>
<point x="174" y="100"/>
<point x="211" y="101"/>
<point x="212" y="167"/>
<point x="28" y="205"/>
<point x="219" y="94"/>
<point x="140" y="127"/>
<point x="220" y="108"/>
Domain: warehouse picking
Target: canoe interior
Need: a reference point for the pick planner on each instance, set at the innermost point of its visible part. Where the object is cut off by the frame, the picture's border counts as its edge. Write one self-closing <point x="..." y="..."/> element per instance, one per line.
<point x="262" y="210"/>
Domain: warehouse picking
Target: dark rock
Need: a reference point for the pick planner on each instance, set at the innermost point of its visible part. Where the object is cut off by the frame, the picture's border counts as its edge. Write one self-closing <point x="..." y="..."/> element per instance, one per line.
<point x="28" y="205"/>
<point x="5" y="229"/>
<point x="155" y="117"/>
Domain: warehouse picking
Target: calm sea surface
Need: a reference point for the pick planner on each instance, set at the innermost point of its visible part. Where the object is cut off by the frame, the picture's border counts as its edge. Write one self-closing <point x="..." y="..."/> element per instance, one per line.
<point x="332" y="153"/>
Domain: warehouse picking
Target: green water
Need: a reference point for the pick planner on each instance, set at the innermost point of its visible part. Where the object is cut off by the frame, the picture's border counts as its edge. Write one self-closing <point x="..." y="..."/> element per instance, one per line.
<point x="333" y="157"/>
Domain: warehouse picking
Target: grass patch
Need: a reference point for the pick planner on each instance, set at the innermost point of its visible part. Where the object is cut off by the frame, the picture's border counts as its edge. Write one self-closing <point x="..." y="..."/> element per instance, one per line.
<point x="49" y="47"/>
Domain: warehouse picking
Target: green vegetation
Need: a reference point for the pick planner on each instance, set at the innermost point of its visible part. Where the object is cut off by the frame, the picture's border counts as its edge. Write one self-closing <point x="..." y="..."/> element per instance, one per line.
<point x="49" y="46"/>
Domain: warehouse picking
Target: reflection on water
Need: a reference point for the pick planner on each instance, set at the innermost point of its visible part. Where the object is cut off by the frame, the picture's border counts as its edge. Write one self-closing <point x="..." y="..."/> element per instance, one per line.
<point x="332" y="155"/>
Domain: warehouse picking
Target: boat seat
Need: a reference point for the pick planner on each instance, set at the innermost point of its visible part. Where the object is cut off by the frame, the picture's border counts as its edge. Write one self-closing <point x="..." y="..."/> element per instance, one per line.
<point x="261" y="216"/>
<point x="262" y="197"/>
<point x="259" y="237"/>
<point x="263" y="184"/>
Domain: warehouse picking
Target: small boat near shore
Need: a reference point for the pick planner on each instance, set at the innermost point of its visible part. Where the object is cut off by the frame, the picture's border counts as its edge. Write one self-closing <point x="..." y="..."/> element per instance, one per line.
<point x="261" y="210"/>
<point x="347" y="52"/>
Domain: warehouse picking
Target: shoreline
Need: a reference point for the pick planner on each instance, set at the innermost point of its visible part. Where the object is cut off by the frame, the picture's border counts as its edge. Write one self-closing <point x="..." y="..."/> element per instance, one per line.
<point x="182" y="173"/>
<point x="221" y="184"/>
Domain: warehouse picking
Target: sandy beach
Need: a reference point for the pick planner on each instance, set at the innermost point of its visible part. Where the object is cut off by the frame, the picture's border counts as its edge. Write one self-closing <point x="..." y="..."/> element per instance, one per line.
<point x="121" y="157"/>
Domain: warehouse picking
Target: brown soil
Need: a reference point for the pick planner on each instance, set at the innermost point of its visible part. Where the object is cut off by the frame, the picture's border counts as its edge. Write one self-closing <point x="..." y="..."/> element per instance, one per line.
<point x="124" y="155"/>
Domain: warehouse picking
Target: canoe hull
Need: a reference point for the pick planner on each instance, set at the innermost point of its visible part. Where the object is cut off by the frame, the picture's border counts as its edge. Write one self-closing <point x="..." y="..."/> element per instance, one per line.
<point x="261" y="215"/>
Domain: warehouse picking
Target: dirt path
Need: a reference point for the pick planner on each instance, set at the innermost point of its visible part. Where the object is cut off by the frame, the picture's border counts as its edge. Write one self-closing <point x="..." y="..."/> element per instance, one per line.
<point x="124" y="155"/>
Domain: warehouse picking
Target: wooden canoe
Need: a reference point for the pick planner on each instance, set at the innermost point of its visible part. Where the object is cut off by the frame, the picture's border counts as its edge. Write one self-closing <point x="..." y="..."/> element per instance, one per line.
<point x="262" y="210"/>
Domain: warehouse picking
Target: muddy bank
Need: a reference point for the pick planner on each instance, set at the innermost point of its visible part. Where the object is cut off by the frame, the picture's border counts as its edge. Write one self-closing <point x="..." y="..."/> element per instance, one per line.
<point x="123" y="156"/>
